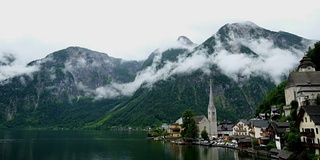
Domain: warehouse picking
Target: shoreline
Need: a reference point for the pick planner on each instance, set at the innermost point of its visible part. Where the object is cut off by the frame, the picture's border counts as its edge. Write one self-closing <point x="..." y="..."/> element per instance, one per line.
<point x="260" y="152"/>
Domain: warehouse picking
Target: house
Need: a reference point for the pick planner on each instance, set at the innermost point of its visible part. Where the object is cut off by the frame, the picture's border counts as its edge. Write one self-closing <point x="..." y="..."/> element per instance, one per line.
<point x="225" y="129"/>
<point x="309" y="126"/>
<point x="240" y="128"/>
<point x="276" y="132"/>
<point x="175" y="130"/>
<point x="258" y="130"/>
<point x="303" y="85"/>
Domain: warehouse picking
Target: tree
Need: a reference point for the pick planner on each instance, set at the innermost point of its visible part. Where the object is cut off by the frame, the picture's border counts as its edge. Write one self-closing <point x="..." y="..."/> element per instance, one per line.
<point x="314" y="54"/>
<point x="294" y="106"/>
<point x="190" y="128"/>
<point x="275" y="97"/>
<point x="204" y="134"/>
<point x="292" y="139"/>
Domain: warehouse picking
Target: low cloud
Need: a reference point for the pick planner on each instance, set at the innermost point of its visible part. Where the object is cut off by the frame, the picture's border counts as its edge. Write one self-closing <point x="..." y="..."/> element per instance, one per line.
<point x="272" y="63"/>
<point x="10" y="66"/>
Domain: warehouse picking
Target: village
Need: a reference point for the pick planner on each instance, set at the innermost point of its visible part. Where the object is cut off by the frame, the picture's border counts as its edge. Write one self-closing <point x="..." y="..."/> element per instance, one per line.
<point x="263" y="134"/>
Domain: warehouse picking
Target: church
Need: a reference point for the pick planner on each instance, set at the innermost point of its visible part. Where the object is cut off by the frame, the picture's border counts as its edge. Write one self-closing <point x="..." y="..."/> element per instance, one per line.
<point x="209" y="124"/>
<point x="303" y="85"/>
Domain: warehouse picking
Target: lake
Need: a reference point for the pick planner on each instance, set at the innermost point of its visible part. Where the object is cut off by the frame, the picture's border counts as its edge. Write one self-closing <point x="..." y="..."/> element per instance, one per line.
<point x="98" y="145"/>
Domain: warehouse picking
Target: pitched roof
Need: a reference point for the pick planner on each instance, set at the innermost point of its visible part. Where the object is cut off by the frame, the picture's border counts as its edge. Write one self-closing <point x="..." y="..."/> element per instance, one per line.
<point x="314" y="113"/>
<point x="197" y="119"/>
<point x="226" y="122"/>
<point x="303" y="79"/>
<point x="244" y="121"/>
<point x="259" y="123"/>
<point x="228" y="127"/>
<point x="280" y="127"/>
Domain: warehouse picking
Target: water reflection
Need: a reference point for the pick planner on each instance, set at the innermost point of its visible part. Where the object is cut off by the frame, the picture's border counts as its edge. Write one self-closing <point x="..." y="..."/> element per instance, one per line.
<point x="86" y="145"/>
<point x="194" y="152"/>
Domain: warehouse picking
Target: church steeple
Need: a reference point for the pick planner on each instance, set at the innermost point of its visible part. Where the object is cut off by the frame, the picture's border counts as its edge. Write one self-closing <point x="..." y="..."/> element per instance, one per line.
<point x="212" y="114"/>
<point x="306" y="65"/>
<point x="211" y="103"/>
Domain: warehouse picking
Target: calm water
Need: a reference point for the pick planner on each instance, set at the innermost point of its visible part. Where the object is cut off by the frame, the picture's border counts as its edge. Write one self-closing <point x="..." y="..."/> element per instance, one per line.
<point x="96" y="145"/>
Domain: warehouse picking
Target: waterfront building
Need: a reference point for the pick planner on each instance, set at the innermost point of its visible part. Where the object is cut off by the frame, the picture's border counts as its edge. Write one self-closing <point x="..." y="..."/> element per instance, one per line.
<point x="241" y="128"/>
<point x="175" y="130"/>
<point x="225" y="129"/>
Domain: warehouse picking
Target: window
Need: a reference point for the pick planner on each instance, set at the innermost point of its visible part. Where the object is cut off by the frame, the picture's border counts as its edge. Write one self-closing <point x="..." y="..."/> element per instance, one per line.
<point x="305" y="118"/>
<point x="316" y="130"/>
<point x="302" y="120"/>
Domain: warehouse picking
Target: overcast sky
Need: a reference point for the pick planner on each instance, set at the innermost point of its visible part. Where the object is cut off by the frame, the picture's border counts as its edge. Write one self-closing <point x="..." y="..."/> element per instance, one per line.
<point x="133" y="29"/>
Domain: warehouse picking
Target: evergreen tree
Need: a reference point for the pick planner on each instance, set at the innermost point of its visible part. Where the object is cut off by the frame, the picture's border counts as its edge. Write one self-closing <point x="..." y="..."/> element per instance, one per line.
<point x="204" y="134"/>
<point x="190" y="127"/>
<point x="294" y="106"/>
<point x="314" y="54"/>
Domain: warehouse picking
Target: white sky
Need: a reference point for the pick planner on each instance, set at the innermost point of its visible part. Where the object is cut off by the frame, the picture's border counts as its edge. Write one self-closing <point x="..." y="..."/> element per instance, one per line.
<point x="133" y="29"/>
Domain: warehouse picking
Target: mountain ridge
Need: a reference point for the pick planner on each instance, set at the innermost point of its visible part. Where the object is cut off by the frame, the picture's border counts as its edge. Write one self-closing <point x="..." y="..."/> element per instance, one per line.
<point x="243" y="63"/>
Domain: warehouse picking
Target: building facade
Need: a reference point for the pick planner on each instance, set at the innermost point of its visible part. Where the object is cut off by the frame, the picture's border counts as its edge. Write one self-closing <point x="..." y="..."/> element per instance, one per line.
<point x="241" y="128"/>
<point x="309" y="126"/>
<point x="303" y="85"/>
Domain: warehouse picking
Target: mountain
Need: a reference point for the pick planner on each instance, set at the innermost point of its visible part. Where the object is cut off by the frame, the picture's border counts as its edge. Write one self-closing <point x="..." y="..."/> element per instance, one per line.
<point x="63" y="88"/>
<point x="77" y="87"/>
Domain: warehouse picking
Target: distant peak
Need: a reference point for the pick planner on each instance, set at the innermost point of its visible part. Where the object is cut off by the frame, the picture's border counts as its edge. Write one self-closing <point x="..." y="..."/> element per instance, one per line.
<point x="244" y="24"/>
<point x="185" y="41"/>
<point x="244" y="29"/>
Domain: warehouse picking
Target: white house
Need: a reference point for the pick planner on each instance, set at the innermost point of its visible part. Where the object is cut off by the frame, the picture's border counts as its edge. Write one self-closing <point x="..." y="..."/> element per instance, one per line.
<point x="241" y="128"/>
<point x="309" y="125"/>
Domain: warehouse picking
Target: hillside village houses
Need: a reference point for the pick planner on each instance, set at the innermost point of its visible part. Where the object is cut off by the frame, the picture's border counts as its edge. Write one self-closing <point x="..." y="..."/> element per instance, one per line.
<point x="302" y="86"/>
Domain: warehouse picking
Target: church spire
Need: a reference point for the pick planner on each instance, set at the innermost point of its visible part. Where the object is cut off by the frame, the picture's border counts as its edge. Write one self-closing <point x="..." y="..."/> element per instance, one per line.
<point x="212" y="114"/>
<point x="211" y="103"/>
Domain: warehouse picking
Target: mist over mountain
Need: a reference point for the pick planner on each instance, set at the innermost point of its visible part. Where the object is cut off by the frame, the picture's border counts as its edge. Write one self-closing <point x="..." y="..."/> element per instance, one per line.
<point x="244" y="60"/>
